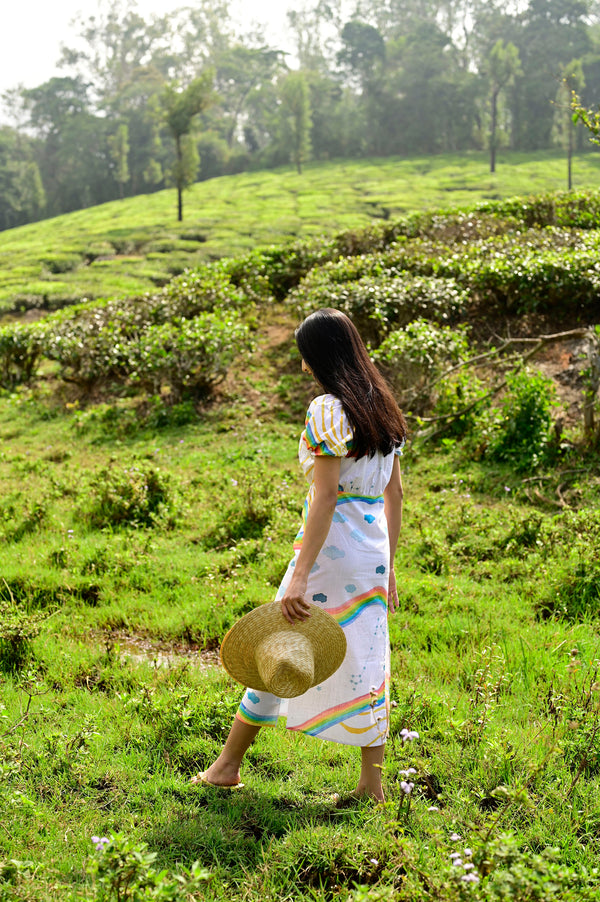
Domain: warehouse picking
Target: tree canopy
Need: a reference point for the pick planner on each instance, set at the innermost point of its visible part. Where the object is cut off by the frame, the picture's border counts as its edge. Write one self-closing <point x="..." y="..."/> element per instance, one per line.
<point x="364" y="78"/>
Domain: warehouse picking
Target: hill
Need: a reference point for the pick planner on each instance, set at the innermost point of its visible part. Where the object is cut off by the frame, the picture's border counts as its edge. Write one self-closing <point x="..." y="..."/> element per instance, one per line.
<point x="132" y="246"/>
<point x="149" y="495"/>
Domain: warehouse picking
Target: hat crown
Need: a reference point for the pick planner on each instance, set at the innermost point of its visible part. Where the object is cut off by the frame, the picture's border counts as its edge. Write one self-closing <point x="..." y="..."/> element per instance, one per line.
<point x="285" y="663"/>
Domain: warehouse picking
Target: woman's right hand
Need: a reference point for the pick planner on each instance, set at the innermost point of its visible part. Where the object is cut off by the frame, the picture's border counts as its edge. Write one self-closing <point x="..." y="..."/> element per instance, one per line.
<point x="293" y="604"/>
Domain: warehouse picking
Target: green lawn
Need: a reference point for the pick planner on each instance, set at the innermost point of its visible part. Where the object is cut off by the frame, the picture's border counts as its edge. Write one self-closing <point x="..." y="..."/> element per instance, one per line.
<point x="129" y="247"/>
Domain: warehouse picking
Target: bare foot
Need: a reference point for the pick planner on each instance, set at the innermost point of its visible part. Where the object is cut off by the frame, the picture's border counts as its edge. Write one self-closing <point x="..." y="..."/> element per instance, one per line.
<point x="219" y="774"/>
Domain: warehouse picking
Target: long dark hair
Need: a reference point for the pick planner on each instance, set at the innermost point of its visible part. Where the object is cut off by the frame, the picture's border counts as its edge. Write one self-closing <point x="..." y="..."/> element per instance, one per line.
<point x="331" y="346"/>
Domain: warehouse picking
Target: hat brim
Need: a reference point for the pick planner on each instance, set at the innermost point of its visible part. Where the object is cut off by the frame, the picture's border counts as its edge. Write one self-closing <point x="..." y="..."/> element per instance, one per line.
<point x="321" y="629"/>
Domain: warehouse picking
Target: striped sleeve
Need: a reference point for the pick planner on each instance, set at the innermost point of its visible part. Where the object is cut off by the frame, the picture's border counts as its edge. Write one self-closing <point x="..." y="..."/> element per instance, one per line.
<point x="327" y="429"/>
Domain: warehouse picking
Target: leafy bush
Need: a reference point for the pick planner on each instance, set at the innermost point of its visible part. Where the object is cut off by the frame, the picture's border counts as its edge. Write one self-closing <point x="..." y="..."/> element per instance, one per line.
<point x="189" y="357"/>
<point x="414" y="356"/>
<point x="123" y="871"/>
<point x="575" y="594"/>
<point x="377" y="303"/>
<point x="518" y="432"/>
<point x="17" y="631"/>
<point x="458" y="402"/>
<point x="21" y="351"/>
<point x="138" y="496"/>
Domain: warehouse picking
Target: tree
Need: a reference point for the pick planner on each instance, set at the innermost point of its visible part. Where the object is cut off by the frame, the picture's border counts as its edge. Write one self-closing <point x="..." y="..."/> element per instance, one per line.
<point x="119" y="152"/>
<point x="503" y="65"/>
<point x="572" y="80"/>
<point x="296" y="118"/>
<point x="22" y="195"/>
<point x="180" y="109"/>
<point x="362" y="53"/>
<point x="589" y="118"/>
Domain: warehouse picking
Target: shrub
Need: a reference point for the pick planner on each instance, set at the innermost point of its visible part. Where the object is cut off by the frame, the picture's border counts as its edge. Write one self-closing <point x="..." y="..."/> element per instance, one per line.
<point x="575" y="595"/>
<point x="458" y="403"/>
<point x="130" y="496"/>
<point x="377" y="303"/>
<point x="518" y="432"/>
<point x="21" y="351"/>
<point x="412" y="357"/>
<point x="189" y="357"/>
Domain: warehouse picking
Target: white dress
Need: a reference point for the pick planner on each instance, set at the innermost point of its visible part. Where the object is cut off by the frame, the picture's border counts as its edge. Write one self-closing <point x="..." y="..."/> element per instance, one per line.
<point x="349" y="580"/>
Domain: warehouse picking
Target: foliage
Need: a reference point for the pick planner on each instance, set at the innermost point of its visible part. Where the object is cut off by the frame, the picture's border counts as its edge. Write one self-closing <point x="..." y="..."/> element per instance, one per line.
<point x="416" y="355"/>
<point x="519" y="430"/>
<point x="123" y="871"/>
<point x="21" y="350"/>
<point x="379" y="303"/>
<point x="136" y="496"/>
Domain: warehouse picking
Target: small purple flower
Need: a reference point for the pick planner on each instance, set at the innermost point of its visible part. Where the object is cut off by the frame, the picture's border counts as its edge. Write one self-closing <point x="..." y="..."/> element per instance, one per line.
<point x="457" y="862"/>
<point x="454" y="854"/>
<point x="100" y="842"/>
<point x="468" y="866"/>
<point x="433" y="808"/>
<point x="408" y="735"/>
<point x="374" y="861"/>
<point x="406" y="788"/>
<point x="470" y="878"/>
<point x="454" y="837"/>
<point x="468" y="852"/>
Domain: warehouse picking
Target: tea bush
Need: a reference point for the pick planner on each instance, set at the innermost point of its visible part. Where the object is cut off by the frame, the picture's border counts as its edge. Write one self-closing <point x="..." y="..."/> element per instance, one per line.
<point x="378" y="303"/>
<point x="188" y="357"/>
<point x="21" y="351"/>
<point x="412" y="357"/>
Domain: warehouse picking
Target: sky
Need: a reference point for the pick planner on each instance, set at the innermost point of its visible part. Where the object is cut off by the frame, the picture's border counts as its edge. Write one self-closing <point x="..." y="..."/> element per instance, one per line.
<point x="33" y="30"/>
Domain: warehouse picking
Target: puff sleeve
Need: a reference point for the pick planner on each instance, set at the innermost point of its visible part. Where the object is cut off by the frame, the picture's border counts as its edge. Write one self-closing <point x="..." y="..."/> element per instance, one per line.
<point x="327" y="429"/>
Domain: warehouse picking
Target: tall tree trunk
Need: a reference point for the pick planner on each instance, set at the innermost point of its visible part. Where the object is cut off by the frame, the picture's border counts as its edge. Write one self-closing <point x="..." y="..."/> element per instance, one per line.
<point x="493" y="131"/>
<point x="570" y="155"/>
<point x="179" y="179"/>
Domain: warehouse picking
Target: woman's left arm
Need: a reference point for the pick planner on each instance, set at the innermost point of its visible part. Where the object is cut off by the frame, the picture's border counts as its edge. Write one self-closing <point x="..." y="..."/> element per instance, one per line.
<point x="326" y="477"/>
<point x="392" y="498"/>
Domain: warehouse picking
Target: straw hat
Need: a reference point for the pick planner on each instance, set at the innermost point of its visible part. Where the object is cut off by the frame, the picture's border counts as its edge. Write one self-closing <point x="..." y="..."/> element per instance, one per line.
<point x="264" y="651"/>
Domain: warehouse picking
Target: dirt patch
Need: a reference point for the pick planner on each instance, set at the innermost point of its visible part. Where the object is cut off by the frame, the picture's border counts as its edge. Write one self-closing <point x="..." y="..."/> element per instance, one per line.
<point x="143" y="650"/>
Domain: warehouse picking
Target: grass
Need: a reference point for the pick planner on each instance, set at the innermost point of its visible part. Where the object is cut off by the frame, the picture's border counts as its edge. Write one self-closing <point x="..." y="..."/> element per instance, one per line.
<point x="132" y="537"/>
<point x="95" y="741"/>
<point x="129" y="247"/>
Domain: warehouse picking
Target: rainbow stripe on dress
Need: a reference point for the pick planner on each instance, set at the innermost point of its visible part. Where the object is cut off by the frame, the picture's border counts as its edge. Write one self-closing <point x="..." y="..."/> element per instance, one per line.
<point x="349" y="611"/>
<point x="332" y="716"/>
<point x="255" y="720"/>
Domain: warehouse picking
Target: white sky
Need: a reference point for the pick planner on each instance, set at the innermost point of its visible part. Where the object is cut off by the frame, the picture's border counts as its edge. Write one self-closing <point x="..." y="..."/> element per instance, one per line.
<point x="31" y="31"/>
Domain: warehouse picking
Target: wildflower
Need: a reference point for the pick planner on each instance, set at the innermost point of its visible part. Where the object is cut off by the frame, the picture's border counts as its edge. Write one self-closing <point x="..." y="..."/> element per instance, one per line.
<point x="374" y="861"/>
<point x="407" y="773"/>
<point x="406" y="788"/>
<point x="455" y="837"/>
<point x="507" y="488"/>
<point x="433" y="808"/>
<point x="234" y="482"/>
<point x="457" y="862"/>
<point x="455" y="855"/>
<point x="468" y="853"/>
<point x="468" y="866"/>
<point x="100" y="842"/>
<point x="470" y="878"/>
<point x="408" y="735"/>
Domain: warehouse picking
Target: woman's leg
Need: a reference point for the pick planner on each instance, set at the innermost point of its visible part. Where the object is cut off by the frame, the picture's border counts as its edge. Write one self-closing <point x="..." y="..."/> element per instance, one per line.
<point x="369" y="783"/>
<point x="225" y="771"/>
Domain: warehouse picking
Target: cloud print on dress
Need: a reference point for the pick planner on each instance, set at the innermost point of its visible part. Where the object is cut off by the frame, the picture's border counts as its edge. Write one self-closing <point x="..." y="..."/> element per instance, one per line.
<point x="333" y="553"/>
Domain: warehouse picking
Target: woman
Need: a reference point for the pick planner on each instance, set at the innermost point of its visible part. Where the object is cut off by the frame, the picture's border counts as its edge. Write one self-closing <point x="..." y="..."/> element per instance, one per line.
<point x="343" y="554"/>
